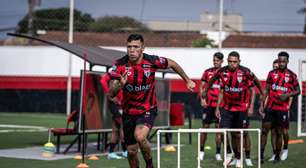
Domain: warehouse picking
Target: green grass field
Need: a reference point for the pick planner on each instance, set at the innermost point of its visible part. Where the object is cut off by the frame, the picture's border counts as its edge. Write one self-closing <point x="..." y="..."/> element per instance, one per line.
<point x="297" y="152"/>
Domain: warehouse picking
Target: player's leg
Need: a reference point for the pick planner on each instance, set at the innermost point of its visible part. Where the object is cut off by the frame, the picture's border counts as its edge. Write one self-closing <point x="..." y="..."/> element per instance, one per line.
<point x="247" y="145"/>
<point x="265" y="128"/>
<point x="129" y="125"/>
<point x="144" y="124"/>
<point x="273" y="143"/>
<point x="227" y="122"/>
<point x="206" y="120"/>
<point x="113" y="142"/>
<point x="279" y="131"/>
<point x="218" y="143"/>
<point x="285" y="133"/>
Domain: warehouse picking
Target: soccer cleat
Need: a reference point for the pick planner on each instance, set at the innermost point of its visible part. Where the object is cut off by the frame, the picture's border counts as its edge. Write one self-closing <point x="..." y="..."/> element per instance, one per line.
<point x="201" y="156"/>
<point x="238" y="163"/>
<point x="218" y="157"/>
<point x="125" y="154"/>
<point x="228" y="158"/>
<point x="113" y="155"/>
<point x="248" y="162"/>
<point x="284" y="154"/>
<point x="233" y="162"/>
<point x="276" y="159"/>
<point x="272" y="158"/>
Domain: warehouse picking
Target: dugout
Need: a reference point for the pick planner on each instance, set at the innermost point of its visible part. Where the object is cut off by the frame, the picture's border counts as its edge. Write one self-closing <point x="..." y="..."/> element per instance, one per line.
<point x="97" y="118"/>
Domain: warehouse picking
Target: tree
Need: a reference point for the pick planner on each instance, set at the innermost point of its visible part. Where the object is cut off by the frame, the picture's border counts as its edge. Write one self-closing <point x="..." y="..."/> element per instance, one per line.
<point x="55" y="19"/>
<point x="303" y="11"/>
<point x="207" y="43"/>
<point x="116" y="23"/>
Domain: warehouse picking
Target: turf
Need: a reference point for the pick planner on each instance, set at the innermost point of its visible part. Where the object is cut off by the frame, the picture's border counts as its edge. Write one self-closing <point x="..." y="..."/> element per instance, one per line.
<point x="297" y="152"/>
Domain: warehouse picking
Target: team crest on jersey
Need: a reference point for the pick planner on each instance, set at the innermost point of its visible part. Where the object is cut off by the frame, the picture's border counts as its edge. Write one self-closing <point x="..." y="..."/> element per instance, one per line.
<point x="225" y="76"/>
<point x="239" y="77"/>
<point x="286" y="79"/>
<point x="128" y="69"/>
<point x="275" y="75"/>
<point x="147" y="73"/>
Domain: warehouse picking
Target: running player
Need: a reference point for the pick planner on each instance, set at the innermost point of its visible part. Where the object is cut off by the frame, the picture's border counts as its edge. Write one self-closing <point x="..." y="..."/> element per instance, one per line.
<point x="281" y="85"/>
<point x="209" y="105"/>
<point x="135" y="75"/>
<point x="114" y="107"/>
<point x="235" y="82"/>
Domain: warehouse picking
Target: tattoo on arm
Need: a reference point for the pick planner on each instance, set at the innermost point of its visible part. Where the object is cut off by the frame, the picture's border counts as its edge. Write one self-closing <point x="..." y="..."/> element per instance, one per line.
<point x="115" y="87"/>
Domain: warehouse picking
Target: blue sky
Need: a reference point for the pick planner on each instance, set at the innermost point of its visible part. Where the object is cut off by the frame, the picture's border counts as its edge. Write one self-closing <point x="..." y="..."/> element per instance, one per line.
<point x="258" y="15"/>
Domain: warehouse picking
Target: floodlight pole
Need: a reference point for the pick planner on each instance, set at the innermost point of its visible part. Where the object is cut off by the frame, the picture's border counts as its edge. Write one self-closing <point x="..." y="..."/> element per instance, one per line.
<point x="220" y="24"/>
<point x="70" y="40"/>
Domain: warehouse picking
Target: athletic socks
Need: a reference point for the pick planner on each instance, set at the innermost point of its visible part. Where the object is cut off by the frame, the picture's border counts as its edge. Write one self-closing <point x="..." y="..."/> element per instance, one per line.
<point x="112" y="147"/>
<point x="149" y="163"/>
<point x="285" y="146"/>
<point x="247" y="154"/>
<point x="202" y="148"/>
<point x="218" y="150"/>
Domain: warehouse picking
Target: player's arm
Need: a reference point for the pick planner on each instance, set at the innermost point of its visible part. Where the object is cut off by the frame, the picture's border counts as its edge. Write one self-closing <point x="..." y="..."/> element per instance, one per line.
<point x="258" y="85"/>
<point x="264" y="99"/>
<point x="220" y="99"/>
<point x="252" y="100"/>
<point x="296" y="92"/>
<point x="203" y="101"/>
<point x="116" y="85"/>
<point x="208" y="85"/>
<point x="179" y="70"/>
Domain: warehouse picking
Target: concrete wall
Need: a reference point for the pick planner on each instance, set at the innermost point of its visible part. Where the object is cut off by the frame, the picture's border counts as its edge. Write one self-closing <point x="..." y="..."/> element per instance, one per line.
<point x="52" y="61"/>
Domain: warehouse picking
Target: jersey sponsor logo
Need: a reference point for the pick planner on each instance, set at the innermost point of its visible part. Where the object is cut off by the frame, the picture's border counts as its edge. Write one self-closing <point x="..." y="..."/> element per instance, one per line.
<point x="215" y="86"/>
<point x="232" y="89"/>
<point x="281" y="88"/>
<point x="139" y="88"/>
<point x="146" y="66"/>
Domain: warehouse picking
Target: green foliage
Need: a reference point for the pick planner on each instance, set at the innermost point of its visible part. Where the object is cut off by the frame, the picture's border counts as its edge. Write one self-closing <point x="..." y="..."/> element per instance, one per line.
<point x="55" y="19"/>
<point x="207" y="43"/>
<point x="116" y="23"/>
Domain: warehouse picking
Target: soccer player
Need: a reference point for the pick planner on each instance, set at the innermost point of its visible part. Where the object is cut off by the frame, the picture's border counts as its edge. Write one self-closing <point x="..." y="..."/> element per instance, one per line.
<point x="235" y="83"/>
<point x="209" y="105"/>
<point x="135" y="75"/>
<point x="114" y="107"/>
<point x="282" y="84"/>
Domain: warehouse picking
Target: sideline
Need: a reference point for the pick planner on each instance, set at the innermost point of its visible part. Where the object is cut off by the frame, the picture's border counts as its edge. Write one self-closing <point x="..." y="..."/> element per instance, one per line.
<point x="22" y="128"/>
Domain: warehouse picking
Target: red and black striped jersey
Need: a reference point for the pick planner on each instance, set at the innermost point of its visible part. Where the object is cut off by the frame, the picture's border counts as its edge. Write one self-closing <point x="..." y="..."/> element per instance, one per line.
<point x="214" y="90"/>
<point x="105" y="85"/>
<point x="281" y="82"/>
<point x="235" y="85"/>
<point x="139" y="93"/>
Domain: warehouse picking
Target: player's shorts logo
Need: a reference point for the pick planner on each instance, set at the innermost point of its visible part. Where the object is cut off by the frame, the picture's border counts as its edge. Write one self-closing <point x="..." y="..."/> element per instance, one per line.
<point x="204" y="116"/>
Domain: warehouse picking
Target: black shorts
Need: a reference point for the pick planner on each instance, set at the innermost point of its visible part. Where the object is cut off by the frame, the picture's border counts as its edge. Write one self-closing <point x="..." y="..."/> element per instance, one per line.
<point x="237" y="119"/>
<point x="114" y="109"/>
<point x="209" y="116"/>
<point x="278" y="118"/>
<point x="131" y="121"/>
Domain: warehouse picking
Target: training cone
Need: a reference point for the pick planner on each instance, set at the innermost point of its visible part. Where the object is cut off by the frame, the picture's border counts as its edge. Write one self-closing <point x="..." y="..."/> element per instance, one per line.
<point x="93" y="157"/>
<point x="78" y="157"/>
<point x="82" y="165"/>
<point x="207" y="147"/>
<point x="169" y="148"/>
<point x="48" y="150"/>
<point x="295" y="141"/>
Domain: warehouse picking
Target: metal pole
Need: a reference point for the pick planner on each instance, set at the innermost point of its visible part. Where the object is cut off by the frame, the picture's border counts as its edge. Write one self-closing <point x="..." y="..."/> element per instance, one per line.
<point x="158" y="149"/>
<point x="220" y="24"/>
<point x="70" y="40"/>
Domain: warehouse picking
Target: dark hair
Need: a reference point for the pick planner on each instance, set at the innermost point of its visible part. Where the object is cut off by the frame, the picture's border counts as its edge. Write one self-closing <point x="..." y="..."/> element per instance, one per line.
<point x="275" y="61"/>
<point x="135" y="37"/>
<point x="234" y="54"/>
<point x="283" y="54"/>
<point x="219" y="55"/>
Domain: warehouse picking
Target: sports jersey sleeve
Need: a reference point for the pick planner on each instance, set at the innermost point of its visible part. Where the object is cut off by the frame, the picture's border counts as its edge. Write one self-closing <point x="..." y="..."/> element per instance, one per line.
<point x="204" y="77"/>
<point x="160" y="62"/>
<point x="117" y="71"/>
<point x="269" y="79"/>
<point x="295" y="82"/>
